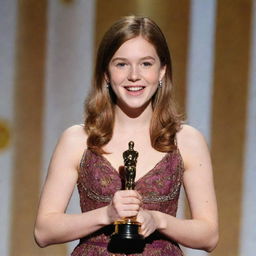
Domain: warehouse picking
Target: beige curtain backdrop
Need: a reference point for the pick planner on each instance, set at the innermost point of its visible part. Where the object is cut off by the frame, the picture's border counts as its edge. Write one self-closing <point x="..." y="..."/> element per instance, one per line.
<point x="232" y="58"/>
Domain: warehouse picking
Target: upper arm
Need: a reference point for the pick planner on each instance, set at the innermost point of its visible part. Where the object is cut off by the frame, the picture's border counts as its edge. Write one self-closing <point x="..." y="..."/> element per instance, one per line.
<point x="63" y="171"/>
<point x="198" y="176"/>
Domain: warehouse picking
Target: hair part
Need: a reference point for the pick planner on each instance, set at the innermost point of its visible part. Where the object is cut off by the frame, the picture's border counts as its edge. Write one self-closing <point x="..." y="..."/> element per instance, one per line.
<point x="99" y="107"/>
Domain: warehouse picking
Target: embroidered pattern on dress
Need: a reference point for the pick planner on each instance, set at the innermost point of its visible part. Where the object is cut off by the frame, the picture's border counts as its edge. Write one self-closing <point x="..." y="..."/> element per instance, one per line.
<point x="160" y="187"/>
<point x="163" y="198"/>
<point x="146" y="199"/>
<point x="95" y="196"/>
<point x="151" y="198"/>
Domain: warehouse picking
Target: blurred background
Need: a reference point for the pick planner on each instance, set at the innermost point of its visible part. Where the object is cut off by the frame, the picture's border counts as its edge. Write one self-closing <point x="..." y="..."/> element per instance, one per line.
<point x="47" y="51"/>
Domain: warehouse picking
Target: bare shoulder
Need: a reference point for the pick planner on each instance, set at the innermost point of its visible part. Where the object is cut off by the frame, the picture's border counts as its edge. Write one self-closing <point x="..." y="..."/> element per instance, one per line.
<point x="75" y="133"/>
<point x="72" y="143"/>
<point x="189" y="136"/>
<point x="191" y="143"/>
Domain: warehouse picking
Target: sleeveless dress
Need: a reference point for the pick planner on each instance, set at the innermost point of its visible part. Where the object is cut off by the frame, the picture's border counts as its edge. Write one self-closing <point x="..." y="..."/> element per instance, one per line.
<point x="159" y="188"/>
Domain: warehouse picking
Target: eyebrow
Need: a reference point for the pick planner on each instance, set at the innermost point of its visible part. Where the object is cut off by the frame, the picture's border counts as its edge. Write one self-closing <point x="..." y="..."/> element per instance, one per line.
<point x="125" y="59"/>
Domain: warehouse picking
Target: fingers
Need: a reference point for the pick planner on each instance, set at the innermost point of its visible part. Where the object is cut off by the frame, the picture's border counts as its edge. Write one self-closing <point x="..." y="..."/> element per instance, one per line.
<point x="148" y="223"/>
<point x="127" y="197"/>
<point x="127" y="209"/>
<point x="128" y="193"/>
<point x="128" y="201"/>
<point x="125" y="203"/>
<point x="130" y="207"/>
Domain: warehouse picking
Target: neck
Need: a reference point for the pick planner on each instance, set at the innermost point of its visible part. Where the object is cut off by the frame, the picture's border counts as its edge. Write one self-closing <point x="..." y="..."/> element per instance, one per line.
<point x="136" y="119"/>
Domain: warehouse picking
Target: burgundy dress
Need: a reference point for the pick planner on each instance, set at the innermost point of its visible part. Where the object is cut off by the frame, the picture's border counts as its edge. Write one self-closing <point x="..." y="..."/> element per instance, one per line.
<point x="160" y="189"/>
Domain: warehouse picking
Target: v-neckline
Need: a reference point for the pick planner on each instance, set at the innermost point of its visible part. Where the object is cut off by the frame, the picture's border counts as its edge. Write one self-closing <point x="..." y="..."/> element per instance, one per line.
<point x="143" y="176"/>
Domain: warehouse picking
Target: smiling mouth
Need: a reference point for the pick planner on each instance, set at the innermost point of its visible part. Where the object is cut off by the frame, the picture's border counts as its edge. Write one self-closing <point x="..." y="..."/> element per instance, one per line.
<point x="134" y="88"/>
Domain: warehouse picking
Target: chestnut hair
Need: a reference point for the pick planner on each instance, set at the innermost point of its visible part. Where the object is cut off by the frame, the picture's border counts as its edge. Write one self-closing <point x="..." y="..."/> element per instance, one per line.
<point x="99" y="107"/>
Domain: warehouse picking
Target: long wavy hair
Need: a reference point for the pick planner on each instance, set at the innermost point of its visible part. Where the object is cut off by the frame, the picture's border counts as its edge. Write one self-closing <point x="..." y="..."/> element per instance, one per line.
<point x="99" y="106"/>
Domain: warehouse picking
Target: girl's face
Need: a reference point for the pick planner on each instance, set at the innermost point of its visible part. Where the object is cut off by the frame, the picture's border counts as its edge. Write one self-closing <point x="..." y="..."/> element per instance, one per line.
<point x="134" y="73"/>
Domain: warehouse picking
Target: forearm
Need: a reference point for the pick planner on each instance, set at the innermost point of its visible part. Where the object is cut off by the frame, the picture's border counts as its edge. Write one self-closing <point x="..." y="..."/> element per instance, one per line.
<point x="193" y="233"/>
<point x="60" y="227"/>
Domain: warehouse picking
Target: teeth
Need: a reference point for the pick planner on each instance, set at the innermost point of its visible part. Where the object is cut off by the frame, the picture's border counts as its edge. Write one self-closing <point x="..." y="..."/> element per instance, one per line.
<point x="134" y="89"/>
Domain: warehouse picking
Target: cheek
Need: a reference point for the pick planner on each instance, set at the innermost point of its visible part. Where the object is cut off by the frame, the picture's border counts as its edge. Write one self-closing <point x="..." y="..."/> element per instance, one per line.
<point x="117" y="79"/>
<point x="116" y="76"/>
<point x="152" y="76"/>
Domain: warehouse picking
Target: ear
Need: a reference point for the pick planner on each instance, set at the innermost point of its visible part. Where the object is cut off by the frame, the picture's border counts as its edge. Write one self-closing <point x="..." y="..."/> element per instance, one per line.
<point x="162" y="72"/>
<point x="106" y="77"/>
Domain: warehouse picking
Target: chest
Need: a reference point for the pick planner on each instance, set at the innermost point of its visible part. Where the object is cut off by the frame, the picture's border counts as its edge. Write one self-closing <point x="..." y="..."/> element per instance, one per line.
<point x="147" y="158"/>
<point x="98" y="181"/>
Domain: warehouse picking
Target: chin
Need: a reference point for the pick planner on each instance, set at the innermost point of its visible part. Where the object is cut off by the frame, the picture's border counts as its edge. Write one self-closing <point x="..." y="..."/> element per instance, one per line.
<point x="134" y="107"/>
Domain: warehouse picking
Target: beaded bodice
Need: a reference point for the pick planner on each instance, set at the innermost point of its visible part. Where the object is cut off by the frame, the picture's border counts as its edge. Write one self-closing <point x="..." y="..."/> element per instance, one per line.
<point x="159" y="188"/>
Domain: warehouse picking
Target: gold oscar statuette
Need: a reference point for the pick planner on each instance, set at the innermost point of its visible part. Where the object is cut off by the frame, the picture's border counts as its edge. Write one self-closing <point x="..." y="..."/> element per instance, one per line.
<point x="129" y="227"/>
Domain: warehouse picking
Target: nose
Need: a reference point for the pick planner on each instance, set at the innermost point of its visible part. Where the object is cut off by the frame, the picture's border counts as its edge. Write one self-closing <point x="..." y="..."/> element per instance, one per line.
<point x="133" y="74"/>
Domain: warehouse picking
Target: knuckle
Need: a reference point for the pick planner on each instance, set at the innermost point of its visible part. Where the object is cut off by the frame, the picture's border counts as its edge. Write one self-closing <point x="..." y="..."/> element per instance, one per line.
<point x="132" y="213"/>
<point x="132" y="193"/>
<point x="115" y="198"/>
